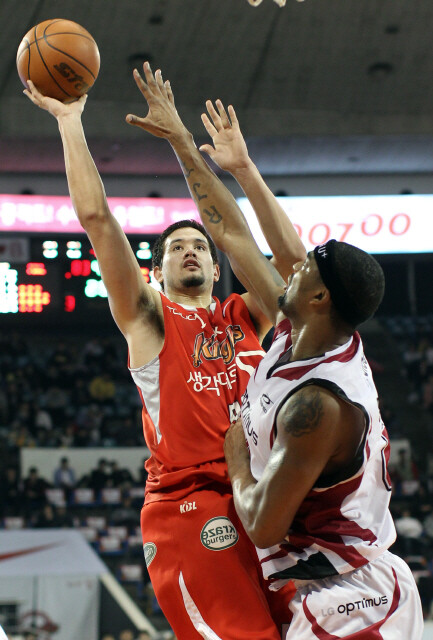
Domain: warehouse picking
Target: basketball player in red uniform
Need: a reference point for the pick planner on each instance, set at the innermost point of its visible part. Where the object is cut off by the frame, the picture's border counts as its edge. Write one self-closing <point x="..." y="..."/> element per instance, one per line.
<point x="190" y="356"/>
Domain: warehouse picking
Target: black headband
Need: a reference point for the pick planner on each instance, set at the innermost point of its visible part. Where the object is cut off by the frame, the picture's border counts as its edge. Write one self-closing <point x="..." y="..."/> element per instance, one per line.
<point x="343" y="302"/>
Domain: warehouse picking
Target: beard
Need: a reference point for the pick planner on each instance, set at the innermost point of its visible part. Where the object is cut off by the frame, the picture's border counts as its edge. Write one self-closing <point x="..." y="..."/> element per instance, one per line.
<point x="194" y="280"/>
<point x="282" y="298"/>
<point x="280" y="301"/>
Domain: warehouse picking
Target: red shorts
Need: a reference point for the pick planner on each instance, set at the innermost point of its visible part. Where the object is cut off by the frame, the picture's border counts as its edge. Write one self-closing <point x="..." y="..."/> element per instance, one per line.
<point x="205" y="571"/>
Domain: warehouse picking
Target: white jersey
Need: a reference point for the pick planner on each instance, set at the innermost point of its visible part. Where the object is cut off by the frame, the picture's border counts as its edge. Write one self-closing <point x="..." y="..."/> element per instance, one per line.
<point x="344" y="521"/>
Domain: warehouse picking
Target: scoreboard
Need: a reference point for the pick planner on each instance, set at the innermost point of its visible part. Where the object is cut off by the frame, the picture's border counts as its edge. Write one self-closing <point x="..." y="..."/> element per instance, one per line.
<point x="48" y="270"/>
<point x="52" y="277"/>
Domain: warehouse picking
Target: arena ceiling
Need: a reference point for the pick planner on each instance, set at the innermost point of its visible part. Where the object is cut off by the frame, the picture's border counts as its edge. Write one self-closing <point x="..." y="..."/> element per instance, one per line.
<point x="320" y="86"/>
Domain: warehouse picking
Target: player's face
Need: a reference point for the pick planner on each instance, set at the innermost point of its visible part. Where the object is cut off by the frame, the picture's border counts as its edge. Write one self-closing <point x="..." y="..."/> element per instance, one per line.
<point x="303" y="281"/>
<point x="187" y="261"/>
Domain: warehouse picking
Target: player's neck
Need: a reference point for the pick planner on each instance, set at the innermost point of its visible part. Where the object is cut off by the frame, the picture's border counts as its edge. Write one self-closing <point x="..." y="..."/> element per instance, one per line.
<point x="311" y="341"/>
<point x="199" y="300"/>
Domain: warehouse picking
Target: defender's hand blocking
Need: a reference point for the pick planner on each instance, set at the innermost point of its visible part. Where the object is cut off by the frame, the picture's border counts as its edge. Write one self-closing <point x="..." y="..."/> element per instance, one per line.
<point x="235" y="445"/>
<point x="162" y="120"/>
<point x="53" y="106"/>
<point x="229" y="152"/>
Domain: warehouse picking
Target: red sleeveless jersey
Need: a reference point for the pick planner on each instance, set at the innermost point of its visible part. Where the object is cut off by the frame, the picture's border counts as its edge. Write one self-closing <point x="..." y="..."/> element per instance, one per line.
<point x="191" y="392"/>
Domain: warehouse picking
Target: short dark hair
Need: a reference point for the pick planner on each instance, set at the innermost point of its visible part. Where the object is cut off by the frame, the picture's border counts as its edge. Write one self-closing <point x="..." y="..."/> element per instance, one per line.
<point x="159" y="245"/>
<point x="354" y="278"/>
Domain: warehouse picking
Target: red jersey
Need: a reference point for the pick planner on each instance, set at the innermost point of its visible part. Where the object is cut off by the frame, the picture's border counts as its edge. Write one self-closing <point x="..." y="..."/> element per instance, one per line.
<point x="191" y="392"/>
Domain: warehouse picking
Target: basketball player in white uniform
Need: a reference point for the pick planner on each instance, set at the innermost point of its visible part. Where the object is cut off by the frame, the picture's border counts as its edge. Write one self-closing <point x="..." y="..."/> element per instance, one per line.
<point x="312" y="489"/>
<point x="315" y="498"/>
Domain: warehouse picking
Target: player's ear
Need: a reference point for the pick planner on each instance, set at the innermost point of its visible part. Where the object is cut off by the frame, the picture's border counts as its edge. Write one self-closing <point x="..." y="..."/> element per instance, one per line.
<point x="216" y="272"/>
<point x="157" y="274"/>
<point x="321" y="297"/>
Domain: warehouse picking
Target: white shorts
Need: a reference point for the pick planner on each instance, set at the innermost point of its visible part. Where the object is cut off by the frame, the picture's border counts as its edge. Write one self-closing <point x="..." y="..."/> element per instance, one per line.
<point x="3" y="636"/>
<point x="379" y="601"/>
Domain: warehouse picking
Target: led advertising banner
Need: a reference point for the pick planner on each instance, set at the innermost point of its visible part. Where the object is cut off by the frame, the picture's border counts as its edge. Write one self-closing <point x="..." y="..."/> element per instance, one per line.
<point x="55" y="214"/>
<point x="377" y="224"/>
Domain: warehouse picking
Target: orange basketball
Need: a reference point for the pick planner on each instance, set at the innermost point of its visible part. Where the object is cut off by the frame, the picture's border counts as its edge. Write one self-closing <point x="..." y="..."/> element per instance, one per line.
<point x="61" y="59"/>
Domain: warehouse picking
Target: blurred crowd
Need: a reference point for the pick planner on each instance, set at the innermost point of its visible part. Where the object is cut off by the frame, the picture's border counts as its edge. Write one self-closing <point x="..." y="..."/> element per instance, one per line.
<point x="66" y="394"/>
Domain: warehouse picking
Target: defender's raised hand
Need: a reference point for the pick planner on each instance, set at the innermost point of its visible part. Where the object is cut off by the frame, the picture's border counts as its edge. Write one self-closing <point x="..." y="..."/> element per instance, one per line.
<point x="229" y="150"/>
<point x="162" y="119"/>
<point x="53" y="106"/>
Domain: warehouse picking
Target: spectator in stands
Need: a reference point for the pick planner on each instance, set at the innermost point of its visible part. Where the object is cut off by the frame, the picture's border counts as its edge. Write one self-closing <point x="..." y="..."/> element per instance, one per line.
<point x="125" y="514"/>
<point x="128" y="435"/>
<point x="99" y="477"/>
<point x="79" y="395"/>
<point x="120" y="476"/>
<point x="412" y="362"/>
<point x="93" y="355"/>
<point x="427" y="394"/>
<point x="46" y="518"/>
<point x="403" y="471"/>
<point x="4" y="404"/>
<point x="90" y="419"/>
<point x="64" y="477"/>
<point x="143" y="635"/>
<point x="410" y="530"/>
<point x="55" y="400"/>
<point x="408" y="526"/>
<point x="19" y="436"/>
<point x="11" y="499"/>
<point x="126" y="634"/>
<point x="67" y="437"/>
<point x="64" y="518"/>
<point x="61" y="355"/>
<point x="428" y="526"/>
<point x="34" y="490"/>
<point x="428" y="356"/>
<point x="142" y="474"/>
<point x="102" y="389"/>
<point x="42" y="419"/>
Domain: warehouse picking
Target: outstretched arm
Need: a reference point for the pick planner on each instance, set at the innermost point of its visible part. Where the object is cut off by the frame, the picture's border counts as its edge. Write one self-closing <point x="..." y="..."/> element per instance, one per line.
<point x="131" y="299"/>
<point x="230" y="153"/>
<point x="218" y="209"/>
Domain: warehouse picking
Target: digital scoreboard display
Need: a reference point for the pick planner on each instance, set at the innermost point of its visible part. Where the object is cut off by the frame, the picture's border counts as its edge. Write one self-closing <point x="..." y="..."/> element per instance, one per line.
<point x="48" y="276"/>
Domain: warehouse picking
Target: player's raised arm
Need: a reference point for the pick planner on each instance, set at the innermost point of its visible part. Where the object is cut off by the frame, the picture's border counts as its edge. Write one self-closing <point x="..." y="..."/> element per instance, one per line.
<point x="132" y="301"/>
<point x="218" y="209"/>
<point x="229" y="151"/>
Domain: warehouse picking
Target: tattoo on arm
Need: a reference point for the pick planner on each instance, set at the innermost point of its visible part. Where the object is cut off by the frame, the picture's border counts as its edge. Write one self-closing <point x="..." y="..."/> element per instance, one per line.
<point x="199" y="196"/>
<point x="213" y="215"/>
<point x="187" y="172"/>
<point x="304" y="413"/>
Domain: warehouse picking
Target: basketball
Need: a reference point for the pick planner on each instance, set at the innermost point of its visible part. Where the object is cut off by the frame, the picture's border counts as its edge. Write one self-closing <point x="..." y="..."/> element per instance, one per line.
<point x="61" y="59"/>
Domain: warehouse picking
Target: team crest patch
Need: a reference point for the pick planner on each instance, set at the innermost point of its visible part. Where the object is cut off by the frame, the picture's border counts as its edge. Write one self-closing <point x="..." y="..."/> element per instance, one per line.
<point x="149" y="549"/>
<point x="219" y="533"/>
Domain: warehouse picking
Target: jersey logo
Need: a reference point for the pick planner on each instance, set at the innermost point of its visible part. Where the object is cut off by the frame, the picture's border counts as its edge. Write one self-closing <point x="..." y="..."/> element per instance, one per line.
<point x="149" y="549"/>
<point x="212" y="349"/>
<point x="246" y="419"/>
<point x="187" y="506"/>
<point x="187" y="316"/>
<point x="265" y="402"/>
<point x="219" y="533"/>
